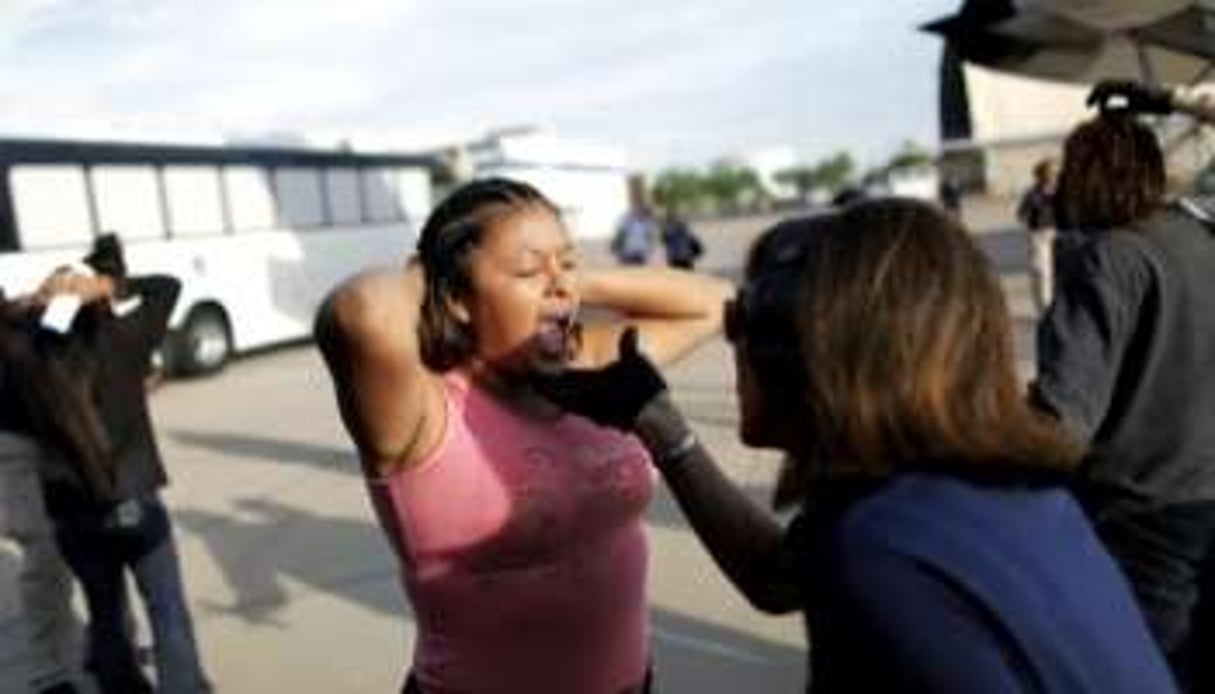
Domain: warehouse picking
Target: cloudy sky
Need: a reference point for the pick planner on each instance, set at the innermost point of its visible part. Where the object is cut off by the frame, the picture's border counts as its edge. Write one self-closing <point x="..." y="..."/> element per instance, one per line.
<point x="670" y="81"/>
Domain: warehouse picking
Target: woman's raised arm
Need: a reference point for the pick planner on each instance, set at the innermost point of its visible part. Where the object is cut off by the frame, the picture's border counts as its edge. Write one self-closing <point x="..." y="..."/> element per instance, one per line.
<point x="674" y="310"/>
<point x="367" y="332"/>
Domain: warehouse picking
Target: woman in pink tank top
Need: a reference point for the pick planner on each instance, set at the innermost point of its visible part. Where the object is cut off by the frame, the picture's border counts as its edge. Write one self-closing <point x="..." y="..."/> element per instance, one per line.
<point x="518" y="526"/>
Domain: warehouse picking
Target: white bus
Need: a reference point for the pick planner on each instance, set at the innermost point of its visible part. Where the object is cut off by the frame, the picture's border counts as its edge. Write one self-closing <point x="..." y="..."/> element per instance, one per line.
<point x="257" y="235"/>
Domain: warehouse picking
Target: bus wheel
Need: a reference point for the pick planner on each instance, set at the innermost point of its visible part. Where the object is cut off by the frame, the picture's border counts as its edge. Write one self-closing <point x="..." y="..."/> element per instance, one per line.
<point x="204" y="344"/>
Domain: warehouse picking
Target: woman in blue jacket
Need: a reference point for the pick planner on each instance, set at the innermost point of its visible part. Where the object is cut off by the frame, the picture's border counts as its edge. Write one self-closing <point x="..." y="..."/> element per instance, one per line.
<point x="936" y="548"/>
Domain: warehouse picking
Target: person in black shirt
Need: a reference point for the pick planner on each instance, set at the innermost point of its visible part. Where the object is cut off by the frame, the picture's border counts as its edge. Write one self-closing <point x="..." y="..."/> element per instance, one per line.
<point x="1036" y="210"/>
<point x="104" y="499"/>
<point x="1124" y="362"/>
<point x="682" y="246"/>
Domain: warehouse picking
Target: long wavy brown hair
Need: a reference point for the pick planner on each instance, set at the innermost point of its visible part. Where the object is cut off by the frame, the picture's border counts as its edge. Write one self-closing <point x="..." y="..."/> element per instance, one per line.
<point x="908" y="352"/>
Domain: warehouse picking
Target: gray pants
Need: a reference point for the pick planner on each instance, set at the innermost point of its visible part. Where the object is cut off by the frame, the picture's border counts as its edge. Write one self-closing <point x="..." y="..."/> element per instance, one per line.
<point x="45" y="585"/>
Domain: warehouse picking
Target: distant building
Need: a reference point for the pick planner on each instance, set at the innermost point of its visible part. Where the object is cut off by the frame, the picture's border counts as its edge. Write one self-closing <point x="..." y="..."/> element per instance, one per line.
<point x="996" y="125"/>
<point x="921" y="182"/>
<point x="589" y="182"/>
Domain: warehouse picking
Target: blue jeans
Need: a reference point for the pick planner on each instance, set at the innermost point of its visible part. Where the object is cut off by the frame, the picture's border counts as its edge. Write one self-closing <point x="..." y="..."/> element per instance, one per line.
<point x="98" y="547"/>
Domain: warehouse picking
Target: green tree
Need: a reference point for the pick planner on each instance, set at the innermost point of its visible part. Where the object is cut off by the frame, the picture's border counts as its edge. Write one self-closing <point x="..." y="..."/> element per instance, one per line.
<point x="835" y="171"/>
<point x="681" y="189"/>
<point x="732" y="186"/>
<point x="804" y="179"/>
<point x="909" y="156"/>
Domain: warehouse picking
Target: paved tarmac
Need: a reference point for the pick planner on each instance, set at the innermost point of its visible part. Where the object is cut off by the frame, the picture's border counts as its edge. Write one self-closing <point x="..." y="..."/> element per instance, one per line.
<point x="294" y="590"/>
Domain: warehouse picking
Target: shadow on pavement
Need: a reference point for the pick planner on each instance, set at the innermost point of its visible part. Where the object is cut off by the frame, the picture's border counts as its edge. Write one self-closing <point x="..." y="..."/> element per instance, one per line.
<point x="264" y="546"/>
<point x="272" y="450"/>
<point x="1007" y="248"/>
<point x="262" y="542"/>
<point x="691" y="655"/>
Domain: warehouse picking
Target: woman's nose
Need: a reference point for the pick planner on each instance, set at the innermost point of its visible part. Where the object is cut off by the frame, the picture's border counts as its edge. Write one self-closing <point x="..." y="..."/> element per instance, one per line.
<point x="561" y="278"/>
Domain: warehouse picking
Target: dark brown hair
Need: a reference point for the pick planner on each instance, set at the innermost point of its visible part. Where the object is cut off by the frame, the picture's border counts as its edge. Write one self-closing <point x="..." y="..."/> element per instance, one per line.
<point x="1113" y="174"/>
<point x="908" y="352"/>
<point x="454" y="229"/>
<point x="1043" y="170"/>
<point x="766" y="304"/>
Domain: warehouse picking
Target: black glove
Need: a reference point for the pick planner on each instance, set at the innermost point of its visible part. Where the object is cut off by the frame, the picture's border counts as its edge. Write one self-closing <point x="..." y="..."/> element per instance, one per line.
<point x="613" y="395"/>
<point x="1138" y="97"/>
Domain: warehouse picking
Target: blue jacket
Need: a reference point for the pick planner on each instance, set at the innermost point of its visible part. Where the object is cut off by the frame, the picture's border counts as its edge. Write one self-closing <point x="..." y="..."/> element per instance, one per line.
<point x="930" y="583"/>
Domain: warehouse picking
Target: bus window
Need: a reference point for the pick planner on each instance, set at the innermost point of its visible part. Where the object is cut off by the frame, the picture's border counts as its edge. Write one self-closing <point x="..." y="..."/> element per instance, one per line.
<point x="195" y="207"/>
<point x="298" y="193"/>
<point x="51" y="205"/>
<point x="128" y="201"/>
<point x="343" y="188"/>
<point x="249" y="195"/>
<point x="379" y="192"/>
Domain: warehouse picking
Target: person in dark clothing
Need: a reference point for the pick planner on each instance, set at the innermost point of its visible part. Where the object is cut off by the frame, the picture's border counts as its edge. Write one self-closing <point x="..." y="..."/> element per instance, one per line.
<point x="682" y="246"/>
<point x="103" y="494"/>
<point x="1036" y="210"/>
<point x="950" y="194"/>
<point x="635" y="236"/>
<point x="1124" y="362"/>
<point x="937" y="548"/>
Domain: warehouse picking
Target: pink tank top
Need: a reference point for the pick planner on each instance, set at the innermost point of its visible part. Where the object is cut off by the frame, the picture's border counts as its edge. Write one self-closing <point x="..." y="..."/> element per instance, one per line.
<point x="523" y="552"/>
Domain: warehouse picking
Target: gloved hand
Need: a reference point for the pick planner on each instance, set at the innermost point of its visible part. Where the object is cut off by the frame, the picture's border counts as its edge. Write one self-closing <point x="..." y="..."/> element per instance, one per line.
<point x="613" y="395"/>
<point x="1132" y="96"/>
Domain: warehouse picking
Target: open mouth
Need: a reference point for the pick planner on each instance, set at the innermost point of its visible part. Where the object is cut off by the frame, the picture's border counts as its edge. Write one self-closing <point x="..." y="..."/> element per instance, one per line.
<point x="558" y="333"/>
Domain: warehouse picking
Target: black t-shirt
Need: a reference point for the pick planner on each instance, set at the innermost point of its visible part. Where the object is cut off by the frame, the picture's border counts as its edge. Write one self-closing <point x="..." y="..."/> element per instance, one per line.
<point x="1036" y="209"/>
<point x="1126" y="357"/>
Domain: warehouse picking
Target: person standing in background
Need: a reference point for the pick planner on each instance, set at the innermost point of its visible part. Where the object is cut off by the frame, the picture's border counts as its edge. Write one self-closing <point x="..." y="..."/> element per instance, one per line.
<point x="635" y="236"/>
<point x="682" y="246"/>
<point x="1124" y="363"/>
<point x="44" y="583"/>
<point x="950" y="194"/>
<point x="1036" y="211"/>
<point x="104" y="498"/>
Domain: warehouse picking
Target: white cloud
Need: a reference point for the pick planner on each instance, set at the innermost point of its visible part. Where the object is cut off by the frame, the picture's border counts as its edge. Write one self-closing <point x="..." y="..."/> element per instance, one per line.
<point x="300" y="25"/>
<point x="663" y="76"/>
